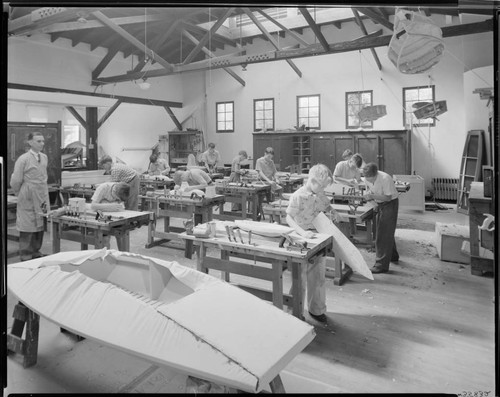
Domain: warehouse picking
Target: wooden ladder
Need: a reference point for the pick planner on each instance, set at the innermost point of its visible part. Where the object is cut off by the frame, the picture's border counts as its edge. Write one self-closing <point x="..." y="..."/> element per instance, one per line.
<point x="28" y="347"/>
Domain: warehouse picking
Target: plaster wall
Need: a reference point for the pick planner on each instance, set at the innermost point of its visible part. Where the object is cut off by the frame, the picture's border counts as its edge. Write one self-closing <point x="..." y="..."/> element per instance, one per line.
<point x="436" y="151"/>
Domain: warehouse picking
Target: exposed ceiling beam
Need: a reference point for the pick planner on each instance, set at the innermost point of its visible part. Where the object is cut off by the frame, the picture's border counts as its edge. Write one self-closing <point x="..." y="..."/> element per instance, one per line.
<point x="44" y="16"/>
<point x="291" y="33"/>
<point x="77" y="116"/>
<point x="215" y="37"/>
<point x="160" y="39"/>
<point x="315" y="28"/>
<point x="122" y="32"/>
<point x="376" y="17"/>
<point x="365" y="32"/>
<point x="86" y="24"/>
<point x="372" y="41"/>
<point x="207" y="36"/>
<point x="174" y="119"/>
<point x="270" y="38"/>
<point x="125" y="99"/>
<point x="212" y="55"/>
<point x="104" y="62"/>
<point x="108" y="113"/>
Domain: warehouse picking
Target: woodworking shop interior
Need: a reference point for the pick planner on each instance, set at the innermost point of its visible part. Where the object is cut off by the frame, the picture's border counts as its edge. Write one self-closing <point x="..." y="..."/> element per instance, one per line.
<point x="245" y="198"/>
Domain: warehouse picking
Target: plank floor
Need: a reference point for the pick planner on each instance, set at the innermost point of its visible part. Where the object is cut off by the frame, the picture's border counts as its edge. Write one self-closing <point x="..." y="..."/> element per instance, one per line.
<point x="428" y="326"/>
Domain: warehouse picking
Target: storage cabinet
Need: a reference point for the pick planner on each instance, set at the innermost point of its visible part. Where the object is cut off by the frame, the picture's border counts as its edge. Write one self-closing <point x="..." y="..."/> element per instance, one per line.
<point x="17" y="140"/>
<point x="389" y="149"/>
<point x="183" y="143"/>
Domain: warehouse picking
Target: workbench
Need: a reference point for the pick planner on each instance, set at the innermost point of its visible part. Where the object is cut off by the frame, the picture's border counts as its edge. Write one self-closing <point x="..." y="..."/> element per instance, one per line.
<point x="85" y="192"/>
<point x="290" y="182"/>
<point x="235" y="256"/>
<point x="151" y="183"/>
<point x="478" y="206"/>
<point x="253" y="194"/>
<point x="170" y="206"/>
<point x="87" y="230"/>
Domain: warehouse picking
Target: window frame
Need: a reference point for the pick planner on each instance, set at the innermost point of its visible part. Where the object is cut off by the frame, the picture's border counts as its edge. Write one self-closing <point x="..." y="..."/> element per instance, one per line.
<point x="418" y="123"/>
<point x="217" y="130"/>
<point x="365" y="124"/>
<point x="319" y="111"/>
<point x="264" y="119"/>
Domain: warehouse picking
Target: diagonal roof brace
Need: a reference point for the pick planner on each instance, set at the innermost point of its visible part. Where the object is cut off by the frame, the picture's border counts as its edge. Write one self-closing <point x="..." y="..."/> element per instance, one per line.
<point x="270" y="38"/>
<point x="122" y="32"/>
<point x="315" y="28"/>
<point x="365" y="32"/>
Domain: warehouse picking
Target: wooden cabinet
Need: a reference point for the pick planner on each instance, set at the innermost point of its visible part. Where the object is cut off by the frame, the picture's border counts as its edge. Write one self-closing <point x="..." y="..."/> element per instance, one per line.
<point x="390" y="150"/>
<point x="282" y="145"/>
<point x="302" y="152"/>
<point x="17" y="140"/>
<point x="183" y="143"/>
<point x="478" y="207"/>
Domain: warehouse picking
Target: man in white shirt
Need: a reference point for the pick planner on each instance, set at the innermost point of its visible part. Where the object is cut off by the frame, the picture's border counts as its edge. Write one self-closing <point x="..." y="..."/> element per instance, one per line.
<point x="383" y="191"/>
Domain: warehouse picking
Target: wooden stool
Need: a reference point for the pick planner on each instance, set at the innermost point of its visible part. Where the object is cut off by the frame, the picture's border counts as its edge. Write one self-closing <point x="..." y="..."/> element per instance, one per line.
<point x="28" y="347"/>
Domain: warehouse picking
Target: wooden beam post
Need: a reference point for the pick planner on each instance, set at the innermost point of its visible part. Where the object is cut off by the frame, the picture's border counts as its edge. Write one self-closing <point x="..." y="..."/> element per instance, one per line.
<point x="91" y="138"/>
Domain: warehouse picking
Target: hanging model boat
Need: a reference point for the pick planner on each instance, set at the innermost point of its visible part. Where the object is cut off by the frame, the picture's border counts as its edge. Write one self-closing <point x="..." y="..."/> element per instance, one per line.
<point x="163" y="312"/>
<point x="427" y="110"/>
<point x="416" y="44"/>
<point x="370" y="113"/>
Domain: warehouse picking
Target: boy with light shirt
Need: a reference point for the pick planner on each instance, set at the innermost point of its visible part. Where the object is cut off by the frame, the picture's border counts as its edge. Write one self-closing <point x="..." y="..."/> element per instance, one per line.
<point x="305" y="204"/>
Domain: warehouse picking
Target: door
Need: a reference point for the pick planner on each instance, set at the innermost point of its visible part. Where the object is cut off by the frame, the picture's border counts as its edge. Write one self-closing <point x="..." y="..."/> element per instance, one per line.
<point x="393" y="159"/>
<point x="322" y="150"/>
<point x="17" y="139"/>
<point x="368" y="147"/>
<point x="283" y="152"/>
<point x="341" y="144"/>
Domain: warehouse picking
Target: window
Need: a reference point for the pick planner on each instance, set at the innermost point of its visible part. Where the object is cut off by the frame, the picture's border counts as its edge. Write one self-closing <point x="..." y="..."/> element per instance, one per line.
<point x="263" y="114"/>
<point x="412" y="95"/>
<point x="354" y="102"/>
<point x="308" y="111"/>
<point x="225" y="116"/>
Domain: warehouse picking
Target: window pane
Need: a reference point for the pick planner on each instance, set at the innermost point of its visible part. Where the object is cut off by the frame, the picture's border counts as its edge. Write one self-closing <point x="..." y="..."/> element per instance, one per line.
<point x="269" y="124"/>
<point x="302" y="120"/>
<point x="229" y="117"/>
<point x="268" y="104"/>
<point x="229" y="107"/>
<point x="220" y="126"/>
<point x="303" y="102"/>
<point x="303" y="112"/>
<point x="313" y="112"/>
<point x="314" y="122"/>
<point x="268" y="114"/>
<point x="222" y="117"/>
<point x="259" y="114"/>
<point x="314" y="101"/>
<point x="259" y="124"/>
<point x="229" y="125"/>
<point x="259" y="105"/>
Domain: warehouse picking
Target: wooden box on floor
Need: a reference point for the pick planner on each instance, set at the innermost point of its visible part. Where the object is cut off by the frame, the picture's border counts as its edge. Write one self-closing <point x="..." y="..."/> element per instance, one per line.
<point x="449" y="240"/>
<point x="413" y="199"/>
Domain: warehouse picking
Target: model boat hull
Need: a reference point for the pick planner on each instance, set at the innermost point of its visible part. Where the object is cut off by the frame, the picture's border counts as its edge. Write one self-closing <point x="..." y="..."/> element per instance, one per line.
<point x="164" y="312"/>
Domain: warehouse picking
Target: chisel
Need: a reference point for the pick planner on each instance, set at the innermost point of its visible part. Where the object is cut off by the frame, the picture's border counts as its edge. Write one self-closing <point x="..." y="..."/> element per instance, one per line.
<point x="228" y="234"/>
<point x="239" y="235"/>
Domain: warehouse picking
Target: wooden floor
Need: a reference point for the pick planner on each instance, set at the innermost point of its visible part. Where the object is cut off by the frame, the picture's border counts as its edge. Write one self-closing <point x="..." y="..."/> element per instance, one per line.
<point x="426" y="327"/>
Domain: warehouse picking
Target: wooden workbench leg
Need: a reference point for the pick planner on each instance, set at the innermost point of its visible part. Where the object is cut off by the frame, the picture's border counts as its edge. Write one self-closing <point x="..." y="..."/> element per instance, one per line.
<point x="202" y="252"/>
<point x="244" y="199"/>
<point x="28" y="347"/>
<point x="225" y="256"/>
<point x="276" y="385"/>
<point x="166" y="224"/>
<point x="298" y="298"/>
<point x="151" y="231"/>
<point x="278" y="267"/>
<point x="56" y="237"/>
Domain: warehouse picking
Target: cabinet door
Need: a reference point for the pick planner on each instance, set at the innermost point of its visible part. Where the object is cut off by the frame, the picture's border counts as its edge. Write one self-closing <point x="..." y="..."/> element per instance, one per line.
<point x="283" y="152"/>
<point x="18" y="144"/>
<point x="393" y="155"/>
<point x="260" y="143"/>
<point x="367" y="146"/>
<point x="322" y="150"/>
<point x="342" y="143"/>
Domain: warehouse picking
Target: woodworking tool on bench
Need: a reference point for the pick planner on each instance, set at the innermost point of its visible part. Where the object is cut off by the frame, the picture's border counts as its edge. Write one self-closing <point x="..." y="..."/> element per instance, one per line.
<point x="228" y="233"/>
<point x="293" y="243"/>
<point x="239" y="235"/>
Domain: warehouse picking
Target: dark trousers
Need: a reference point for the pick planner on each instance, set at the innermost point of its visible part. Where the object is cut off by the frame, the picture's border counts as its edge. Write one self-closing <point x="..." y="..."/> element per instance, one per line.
<point x="30" y="244"/>
<point x="385" y="245"/>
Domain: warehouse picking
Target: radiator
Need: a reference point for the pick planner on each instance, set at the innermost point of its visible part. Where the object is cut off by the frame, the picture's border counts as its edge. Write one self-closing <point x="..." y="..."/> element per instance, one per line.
<point x="445" y="188"/>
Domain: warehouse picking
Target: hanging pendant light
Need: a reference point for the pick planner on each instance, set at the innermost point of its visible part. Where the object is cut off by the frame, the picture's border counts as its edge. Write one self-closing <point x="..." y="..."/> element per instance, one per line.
<point x="425" y="110"/>
<point x="416" y="44"/>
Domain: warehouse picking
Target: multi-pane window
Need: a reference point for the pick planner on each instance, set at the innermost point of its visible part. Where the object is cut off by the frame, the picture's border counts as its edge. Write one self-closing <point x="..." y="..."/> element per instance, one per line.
<point x="225" y="116"/>
<point x="308" y="111"/>
<point x="263" y="114"/>
<point x="411" y="97"/>
<point x="354" y="102"/>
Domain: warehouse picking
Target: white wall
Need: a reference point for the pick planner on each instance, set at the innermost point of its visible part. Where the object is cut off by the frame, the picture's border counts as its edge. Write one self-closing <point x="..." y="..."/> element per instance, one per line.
<point x="436" y="150"/>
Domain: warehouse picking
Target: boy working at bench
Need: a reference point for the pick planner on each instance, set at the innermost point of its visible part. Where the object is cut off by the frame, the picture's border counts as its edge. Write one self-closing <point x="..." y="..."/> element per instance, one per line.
<point x="305" y="203"/>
